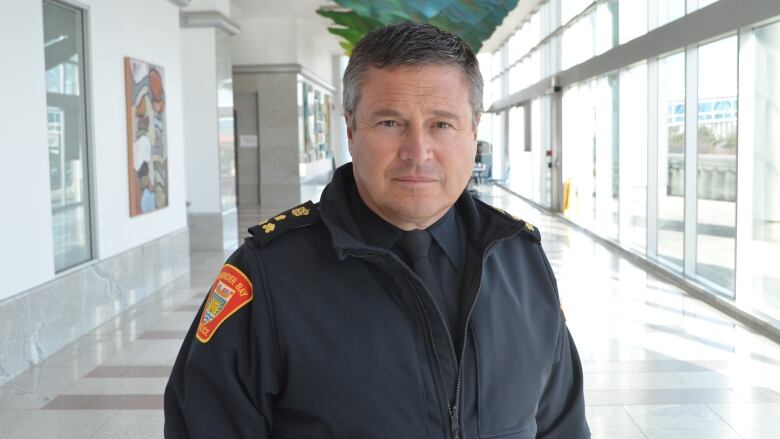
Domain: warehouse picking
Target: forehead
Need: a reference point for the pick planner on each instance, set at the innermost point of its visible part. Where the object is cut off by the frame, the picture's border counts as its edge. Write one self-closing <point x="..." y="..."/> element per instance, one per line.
<point x="426" y="85"/>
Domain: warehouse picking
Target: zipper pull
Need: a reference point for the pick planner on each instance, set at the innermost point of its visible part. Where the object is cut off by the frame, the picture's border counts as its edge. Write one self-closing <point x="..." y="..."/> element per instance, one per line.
<point x="454" y="422"/>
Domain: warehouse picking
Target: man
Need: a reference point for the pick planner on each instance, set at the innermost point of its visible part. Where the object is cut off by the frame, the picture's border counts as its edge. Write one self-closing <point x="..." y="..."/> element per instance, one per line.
<point x="398" y="306"/>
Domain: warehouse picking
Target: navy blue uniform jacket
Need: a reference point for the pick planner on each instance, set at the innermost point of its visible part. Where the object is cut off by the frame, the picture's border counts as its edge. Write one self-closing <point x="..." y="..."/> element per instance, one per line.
<point x="339" y="339"/>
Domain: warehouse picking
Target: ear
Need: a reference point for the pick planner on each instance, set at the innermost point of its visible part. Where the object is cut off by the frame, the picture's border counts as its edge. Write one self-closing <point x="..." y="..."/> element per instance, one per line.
<point x="349" y="132"/>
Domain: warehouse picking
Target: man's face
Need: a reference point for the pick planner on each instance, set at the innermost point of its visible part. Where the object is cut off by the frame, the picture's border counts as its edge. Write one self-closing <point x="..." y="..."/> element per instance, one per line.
<point x="414" y="142"/>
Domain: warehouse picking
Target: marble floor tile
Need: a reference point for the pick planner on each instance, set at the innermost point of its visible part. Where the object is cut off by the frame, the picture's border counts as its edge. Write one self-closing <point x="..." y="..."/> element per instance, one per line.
<point x="631" y="381"/>
<point x="38" y="386"/>
<point x="132" y="425"/>
<point x="130" y="372"/>
<point x="661" y="396"/>
<point x="751" y="420"/>
<point x="163" y="335"/>
<point x="147" y="353"/>
<point x="665" y="418"/>
<point x="38" y="424"/>
<point x="611" y="421"/>
<point x="106" y="402"/>
<point x="175" y="321"/>
<point x="118" y="386"/>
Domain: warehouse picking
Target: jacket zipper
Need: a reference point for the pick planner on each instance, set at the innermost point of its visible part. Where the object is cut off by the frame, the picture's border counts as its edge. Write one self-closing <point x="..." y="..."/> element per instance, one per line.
<point x="456" y="407"/>
<point x="439" y="368"/>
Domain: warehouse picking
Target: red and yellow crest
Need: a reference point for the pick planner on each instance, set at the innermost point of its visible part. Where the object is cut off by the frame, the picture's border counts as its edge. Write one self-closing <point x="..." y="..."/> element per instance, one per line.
<point x="231" y="291"/>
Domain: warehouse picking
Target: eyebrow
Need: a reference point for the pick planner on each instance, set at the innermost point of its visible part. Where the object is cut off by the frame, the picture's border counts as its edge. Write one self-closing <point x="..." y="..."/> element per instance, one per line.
<point x="445" y="114"/>
<point x="394" y="113"/>
<point x="385" y="113"/>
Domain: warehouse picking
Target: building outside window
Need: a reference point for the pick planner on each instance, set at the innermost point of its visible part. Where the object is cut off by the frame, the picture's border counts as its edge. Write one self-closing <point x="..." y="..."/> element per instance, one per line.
<point x="67" y="134"/>
<point x="717" y="162"/>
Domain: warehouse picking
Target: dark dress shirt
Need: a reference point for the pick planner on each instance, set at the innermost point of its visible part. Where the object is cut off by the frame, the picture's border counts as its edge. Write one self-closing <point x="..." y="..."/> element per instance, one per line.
<point x="446" y="254"/>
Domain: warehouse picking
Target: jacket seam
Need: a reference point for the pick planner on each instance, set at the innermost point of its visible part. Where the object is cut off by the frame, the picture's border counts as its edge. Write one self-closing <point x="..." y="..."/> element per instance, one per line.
<point x="272" y="317"/>
<point x="561" y="323"/>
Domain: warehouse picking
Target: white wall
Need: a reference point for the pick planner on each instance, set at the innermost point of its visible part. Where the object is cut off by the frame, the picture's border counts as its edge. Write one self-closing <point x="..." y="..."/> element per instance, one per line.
<point x="144" y="29"/>
<point x="265" y="41"/>
<point x="316" y="47"/>
<point x="199" y="83"/>
<point x="26" y="256"/>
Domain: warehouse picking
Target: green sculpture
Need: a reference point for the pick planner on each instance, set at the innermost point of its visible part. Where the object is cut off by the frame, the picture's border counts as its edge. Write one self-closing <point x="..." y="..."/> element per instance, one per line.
<point x="473" y="20"/>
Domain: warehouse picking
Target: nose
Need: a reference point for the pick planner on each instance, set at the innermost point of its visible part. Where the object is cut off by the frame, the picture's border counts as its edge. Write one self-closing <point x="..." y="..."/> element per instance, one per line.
<point x="417" y="147"/>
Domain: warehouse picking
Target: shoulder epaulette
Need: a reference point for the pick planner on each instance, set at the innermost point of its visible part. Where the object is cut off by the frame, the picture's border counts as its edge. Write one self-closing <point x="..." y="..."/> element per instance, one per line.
<point x="529" y="231"/>
<point x="304" y="215"/>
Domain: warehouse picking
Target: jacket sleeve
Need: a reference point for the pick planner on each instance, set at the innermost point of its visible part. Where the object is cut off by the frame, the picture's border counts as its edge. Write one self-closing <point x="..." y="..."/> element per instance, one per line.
<point x="561" y="410"/>
<point x="225" y="374"/>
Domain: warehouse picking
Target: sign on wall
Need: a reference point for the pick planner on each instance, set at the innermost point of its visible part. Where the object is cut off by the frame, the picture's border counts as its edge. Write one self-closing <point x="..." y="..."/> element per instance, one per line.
<point x="147" y="150"/>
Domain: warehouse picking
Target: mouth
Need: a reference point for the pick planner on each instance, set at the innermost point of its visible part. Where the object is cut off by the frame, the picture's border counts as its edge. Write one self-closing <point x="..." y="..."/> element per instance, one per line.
<point x="415" y="180"/>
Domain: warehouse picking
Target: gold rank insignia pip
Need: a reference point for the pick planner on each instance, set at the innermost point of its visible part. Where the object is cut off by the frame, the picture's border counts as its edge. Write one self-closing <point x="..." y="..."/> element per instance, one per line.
<point x="298" y="216"/>
<point x="229" y="293"/>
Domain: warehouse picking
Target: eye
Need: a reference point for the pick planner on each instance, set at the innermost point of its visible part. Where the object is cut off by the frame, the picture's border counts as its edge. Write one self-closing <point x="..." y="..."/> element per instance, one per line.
<point x="388" y="123"/>
<point x="442" y="125"/>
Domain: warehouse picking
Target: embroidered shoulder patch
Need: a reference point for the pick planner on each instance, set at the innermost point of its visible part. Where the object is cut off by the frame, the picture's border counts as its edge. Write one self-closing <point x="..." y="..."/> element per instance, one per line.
<point x="300" y="216"/>
<point x="231" y="291"/>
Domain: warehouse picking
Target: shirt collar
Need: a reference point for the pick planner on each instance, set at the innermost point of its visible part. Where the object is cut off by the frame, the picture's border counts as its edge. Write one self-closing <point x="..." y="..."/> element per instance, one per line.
<point x="445" y="233"/>
<point x="375" y="230"/>
<point x="378" y="232"/>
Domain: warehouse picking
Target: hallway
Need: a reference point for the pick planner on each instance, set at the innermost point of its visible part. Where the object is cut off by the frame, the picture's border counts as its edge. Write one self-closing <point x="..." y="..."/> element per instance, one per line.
<point x="658" y="364"/>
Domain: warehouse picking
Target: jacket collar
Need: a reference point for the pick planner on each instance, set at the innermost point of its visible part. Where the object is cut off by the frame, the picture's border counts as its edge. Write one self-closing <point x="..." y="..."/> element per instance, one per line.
<point x="484" y="224"/>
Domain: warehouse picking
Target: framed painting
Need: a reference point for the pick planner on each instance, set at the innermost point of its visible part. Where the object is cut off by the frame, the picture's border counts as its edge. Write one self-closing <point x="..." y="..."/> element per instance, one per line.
<point x="147" y="150"/>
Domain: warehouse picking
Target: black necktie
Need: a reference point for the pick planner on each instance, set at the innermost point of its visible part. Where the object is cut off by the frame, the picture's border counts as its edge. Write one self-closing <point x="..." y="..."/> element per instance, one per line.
<point x="415" y="245"/>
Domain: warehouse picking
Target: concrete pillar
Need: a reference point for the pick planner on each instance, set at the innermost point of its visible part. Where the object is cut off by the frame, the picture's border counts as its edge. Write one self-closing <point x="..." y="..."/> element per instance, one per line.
<point x="208" y="125"/>
<point x="282" y="169"/>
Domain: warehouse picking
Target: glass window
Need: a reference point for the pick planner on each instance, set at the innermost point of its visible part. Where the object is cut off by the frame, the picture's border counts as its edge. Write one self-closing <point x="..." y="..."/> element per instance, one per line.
<point x="671" y="159"/>
<point x="577" y="42"/>
<point x="633" y="19"/>
<point x="606" y="160"/>
<point x="578" y="145"/>
<point x="764" y="239"/>
<point x="497" y="64"/>
<point x="633" y="157"/>
<point x="499" y="146"/>
<point x="670" y="10"/>
<point x="534" y="68"/>
<point x="571" y="8"/>
<point x="67" y="134"/>
<point x="515" y="79"/>
<point x="717" y="162"/>
<point x="516" y="49"/>
<point x="703" y="3"/>
<point x="519" y="165"/>
<point x="606" y="28"/>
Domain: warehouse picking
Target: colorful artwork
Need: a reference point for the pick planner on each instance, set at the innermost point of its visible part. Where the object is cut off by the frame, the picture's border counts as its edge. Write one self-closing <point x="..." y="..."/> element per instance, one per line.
<point x="147" y="150"/>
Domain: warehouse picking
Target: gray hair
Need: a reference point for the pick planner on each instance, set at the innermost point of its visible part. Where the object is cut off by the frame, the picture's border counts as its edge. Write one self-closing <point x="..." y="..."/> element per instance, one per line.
<point x="410" y="44"/>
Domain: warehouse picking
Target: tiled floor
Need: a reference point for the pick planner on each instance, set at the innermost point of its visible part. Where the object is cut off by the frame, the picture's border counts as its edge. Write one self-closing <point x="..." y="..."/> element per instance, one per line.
<point x="658" y="364"/>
